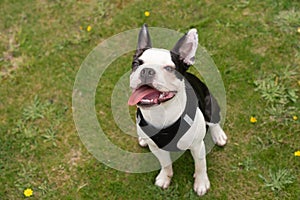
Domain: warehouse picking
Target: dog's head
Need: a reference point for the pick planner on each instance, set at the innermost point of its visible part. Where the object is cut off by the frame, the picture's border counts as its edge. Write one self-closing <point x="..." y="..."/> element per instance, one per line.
<point x="157" y="74"/>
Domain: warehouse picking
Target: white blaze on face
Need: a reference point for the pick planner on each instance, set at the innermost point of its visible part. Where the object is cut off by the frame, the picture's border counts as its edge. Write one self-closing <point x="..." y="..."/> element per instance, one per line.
<point x="157" y="59"/>
<point x="157" y="56"/>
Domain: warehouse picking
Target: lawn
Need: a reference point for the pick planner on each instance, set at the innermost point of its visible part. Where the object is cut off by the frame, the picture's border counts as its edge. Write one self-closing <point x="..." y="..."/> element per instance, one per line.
<point x="255" y="45"/>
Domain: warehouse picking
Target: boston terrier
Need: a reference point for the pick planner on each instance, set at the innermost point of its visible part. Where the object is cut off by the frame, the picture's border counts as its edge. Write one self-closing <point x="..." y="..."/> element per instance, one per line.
<point x="174" y="108"/>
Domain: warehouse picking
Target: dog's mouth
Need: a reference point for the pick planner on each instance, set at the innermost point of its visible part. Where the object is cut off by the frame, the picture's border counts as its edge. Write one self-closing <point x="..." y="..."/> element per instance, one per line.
<point x="148" y="96"/>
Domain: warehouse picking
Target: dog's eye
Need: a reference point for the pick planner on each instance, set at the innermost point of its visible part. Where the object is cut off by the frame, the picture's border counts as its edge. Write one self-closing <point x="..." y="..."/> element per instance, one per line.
<point x="169" y="68"/>
<point x="136" y="63"/>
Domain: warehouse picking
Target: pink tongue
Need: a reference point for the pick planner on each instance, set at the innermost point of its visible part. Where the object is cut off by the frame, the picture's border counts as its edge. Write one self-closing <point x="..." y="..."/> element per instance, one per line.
<point x="139" y="94"/>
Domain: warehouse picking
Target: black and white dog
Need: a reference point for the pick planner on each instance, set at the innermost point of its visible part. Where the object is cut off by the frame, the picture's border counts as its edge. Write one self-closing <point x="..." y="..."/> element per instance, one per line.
<point x="174" y="107"/>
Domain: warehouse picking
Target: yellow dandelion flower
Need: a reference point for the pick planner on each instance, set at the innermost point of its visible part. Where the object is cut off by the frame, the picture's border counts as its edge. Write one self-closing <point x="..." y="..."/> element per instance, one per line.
<point x="298" y="29"/>
<point x="253" y="119"/>
<point x="89" y="28"/>
<point x="297" y="153"/>
<point x="295" y="117"/>
<point x="147" y="13"/>
<point x="299" y="83"/>
<point x="28" y="192"/>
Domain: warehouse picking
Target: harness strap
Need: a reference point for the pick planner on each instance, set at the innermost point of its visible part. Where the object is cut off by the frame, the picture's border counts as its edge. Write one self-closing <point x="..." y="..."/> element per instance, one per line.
<point x="167" y="138"/>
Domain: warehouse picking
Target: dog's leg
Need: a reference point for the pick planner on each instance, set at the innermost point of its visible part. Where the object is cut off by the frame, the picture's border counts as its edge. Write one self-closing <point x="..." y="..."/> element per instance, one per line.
<point x="163" y="179"/>
<point x="217" y="133"/>
<point x="201" y="184"/>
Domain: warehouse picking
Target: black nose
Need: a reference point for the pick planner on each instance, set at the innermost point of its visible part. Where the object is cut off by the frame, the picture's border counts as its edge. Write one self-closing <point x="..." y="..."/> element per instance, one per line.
<point x="147" y="73"/>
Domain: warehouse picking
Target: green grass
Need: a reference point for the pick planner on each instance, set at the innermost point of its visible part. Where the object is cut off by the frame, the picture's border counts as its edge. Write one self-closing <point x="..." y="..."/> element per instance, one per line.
<point x="255" y="45"/>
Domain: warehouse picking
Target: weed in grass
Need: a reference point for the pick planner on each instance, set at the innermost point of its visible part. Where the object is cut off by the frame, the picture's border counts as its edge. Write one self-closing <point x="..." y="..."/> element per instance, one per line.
<point x="279" y="95"/>
<point x="265" y="142"/>
<point x="50" y="136"/>
<point x="278" y="180"/>
<point x="55" y="113"/>
<point x="247" y="165"/>
<point x="259" y="143"/>
<point x="43" y="110"/>
<point x="34" y="111"/>
<point x="101" y="8"/>
<point x="40" y="121"/>
<point x="27" y="133"/>
<point x="25" y="176"/>
<point x="280" y="113"/>
<point x="288" y="74"/>
<point x="44" y="187"/>
<point x="288" y="20"/>
<point x="274" y="91"/>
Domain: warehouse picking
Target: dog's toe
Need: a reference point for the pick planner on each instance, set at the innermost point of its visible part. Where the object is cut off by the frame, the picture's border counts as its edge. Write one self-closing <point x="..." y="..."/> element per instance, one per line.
<point x="163" y="179"/>
<point x="201" y="185"/>
<point x="218" y="135"/>
<point x="163" y="182"/>
<point x="221" y="140"/>
<point x="142" y="142"/>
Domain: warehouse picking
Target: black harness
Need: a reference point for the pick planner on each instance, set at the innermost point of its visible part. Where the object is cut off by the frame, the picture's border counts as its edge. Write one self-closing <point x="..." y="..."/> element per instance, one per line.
<point x="167" y="138"/>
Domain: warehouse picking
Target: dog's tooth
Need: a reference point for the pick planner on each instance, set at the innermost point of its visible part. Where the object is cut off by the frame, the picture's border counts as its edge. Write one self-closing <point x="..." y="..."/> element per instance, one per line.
<point x="145" y="101"/>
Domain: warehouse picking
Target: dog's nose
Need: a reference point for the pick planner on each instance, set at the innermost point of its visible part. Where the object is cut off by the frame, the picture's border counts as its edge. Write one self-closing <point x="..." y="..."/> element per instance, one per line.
<point x="147" y="73"/>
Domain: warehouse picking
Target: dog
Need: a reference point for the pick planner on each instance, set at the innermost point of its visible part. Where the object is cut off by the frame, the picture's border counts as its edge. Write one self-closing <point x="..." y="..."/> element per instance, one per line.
<point x="174" y="108"/>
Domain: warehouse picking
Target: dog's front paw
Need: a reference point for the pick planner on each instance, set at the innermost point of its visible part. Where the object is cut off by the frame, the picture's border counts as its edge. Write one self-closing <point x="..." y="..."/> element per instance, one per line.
<point x="201" y="185"/>
<point x="218" y="135"/>
<point x="142" y="142"/>
<point x="163" y="179"/>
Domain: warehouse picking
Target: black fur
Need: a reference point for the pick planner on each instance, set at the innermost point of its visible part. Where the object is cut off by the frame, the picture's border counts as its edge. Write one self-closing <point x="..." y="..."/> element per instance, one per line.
<point x="207" y="103"/>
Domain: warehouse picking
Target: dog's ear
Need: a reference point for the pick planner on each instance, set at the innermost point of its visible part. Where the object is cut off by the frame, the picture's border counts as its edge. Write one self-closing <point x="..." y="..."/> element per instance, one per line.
<point x="186" y="47"/>
<point x="144" y="41"/>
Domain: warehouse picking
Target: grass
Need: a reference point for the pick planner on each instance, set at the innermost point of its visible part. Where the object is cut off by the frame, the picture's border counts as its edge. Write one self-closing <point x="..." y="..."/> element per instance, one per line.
<point x="255" y="45"/>
<point x="278" y="180"/>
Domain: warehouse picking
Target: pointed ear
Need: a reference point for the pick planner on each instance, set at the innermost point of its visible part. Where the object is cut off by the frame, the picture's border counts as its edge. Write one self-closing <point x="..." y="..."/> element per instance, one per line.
<point x="144" y="41"/>
<point x="186" y="47"/>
